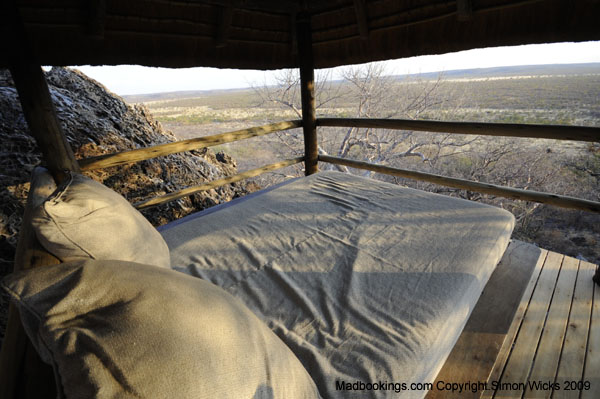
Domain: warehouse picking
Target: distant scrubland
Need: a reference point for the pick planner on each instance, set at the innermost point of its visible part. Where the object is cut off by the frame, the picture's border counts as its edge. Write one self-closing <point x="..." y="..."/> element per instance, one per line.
<point x="563" y="95"/>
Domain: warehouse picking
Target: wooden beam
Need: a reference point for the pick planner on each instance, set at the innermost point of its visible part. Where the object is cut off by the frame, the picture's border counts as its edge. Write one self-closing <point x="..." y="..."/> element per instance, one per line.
<point x="464" y="10"/>
<point x="268" y="6"/>
<point x="96" y="18"/>
<point x="293" y="34"/>
<point x="557" y="132"/>
<point x="35" y="99"/>
<point x="307" y="90"/>
<point x="224" y="25"/>
<point x="507" y="192"/>
<point x="216" y="183"/>
<point x="361" y="19"/>
<point x="121" y="158"/>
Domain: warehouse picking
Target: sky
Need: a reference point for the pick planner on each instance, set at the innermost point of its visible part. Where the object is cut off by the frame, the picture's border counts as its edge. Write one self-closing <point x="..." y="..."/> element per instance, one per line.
<point x="135" y="79"/>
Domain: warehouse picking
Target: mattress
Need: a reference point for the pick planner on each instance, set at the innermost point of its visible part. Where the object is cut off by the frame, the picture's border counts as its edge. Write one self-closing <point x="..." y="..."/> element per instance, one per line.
<point x="370" y="284"/>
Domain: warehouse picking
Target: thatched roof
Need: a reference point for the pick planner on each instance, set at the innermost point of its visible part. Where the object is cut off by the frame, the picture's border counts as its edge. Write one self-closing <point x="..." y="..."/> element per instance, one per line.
<point x="261" y="34"/>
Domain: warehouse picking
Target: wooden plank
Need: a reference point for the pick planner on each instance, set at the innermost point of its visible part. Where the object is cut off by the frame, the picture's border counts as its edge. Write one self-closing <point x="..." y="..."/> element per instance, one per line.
<point x="36" y="102"/>
<point x="523" y="352"/>
<point x="121" y="158"/>
<point x="562" y="201"/>
<point x="464" y="10"/>
<point x="545" y="364"/>
<point x="580" y="133"/>
<point x="96" y="18"/>
<point x="476" y="350"/>
<point x="511" y="335"/>
<point x="362" y="18"/>
<point x="22" y="372"/>
<point x="307" y="91"/>
<point x="592" y="359"/>
<point x="572" y="358"/>
<point x="293" y="34"/>
<point x="216" y="183"/>
<point x="224" y="25"/>
<point x="280" y="6"/>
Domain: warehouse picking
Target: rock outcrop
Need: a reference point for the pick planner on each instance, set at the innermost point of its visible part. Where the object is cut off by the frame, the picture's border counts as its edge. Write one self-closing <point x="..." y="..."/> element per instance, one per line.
<point x="98" y="122"/>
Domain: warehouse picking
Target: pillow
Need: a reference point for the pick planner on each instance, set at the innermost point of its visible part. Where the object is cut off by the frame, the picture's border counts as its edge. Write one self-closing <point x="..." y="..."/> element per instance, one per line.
<point x="122" y="329"/>
<point x="84" y="219"/>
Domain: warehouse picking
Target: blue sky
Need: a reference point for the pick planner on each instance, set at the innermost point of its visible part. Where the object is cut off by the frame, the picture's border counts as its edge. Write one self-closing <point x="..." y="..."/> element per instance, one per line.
<point x="133" y="79"/>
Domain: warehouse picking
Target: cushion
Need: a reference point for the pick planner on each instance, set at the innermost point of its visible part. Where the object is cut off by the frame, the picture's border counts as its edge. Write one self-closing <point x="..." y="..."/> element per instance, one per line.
<point x="84" y="219"/>
<point x="363" y="280"/>
<point x="122" y="329"/>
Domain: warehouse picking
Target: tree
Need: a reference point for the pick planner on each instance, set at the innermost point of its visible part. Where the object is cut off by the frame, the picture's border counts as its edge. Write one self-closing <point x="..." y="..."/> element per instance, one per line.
<point x="364" y="92"/>
<point x="521" y="163"/>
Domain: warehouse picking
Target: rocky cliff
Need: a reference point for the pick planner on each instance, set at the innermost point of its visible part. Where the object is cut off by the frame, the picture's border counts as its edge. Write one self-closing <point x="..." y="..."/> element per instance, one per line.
<point x="98" y="122"/>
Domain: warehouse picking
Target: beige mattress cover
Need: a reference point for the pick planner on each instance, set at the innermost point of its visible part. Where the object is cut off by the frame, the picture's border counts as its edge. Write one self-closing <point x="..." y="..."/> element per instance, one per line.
<point x="365" y="281"/>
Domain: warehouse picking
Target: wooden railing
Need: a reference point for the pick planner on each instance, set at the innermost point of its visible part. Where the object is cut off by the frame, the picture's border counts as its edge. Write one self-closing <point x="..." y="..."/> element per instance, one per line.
<point x="579" y="133"/>
<point x="556" y="132"/>
<point x="486" y="188"/>
<point x="217" y="183"/>
<point x="141" y="154"/>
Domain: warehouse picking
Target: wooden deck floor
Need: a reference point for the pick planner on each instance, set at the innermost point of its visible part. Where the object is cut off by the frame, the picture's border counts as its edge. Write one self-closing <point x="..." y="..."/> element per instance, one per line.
<point x="535" y="333"/>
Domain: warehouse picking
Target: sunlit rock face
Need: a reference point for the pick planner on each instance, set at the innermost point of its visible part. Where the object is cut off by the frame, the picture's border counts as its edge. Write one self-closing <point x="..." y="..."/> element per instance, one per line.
<point x="98" y="122"/>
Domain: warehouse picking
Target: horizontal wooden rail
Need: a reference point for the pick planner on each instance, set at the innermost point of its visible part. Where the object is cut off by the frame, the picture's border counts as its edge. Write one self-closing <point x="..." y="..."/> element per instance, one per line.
<point x="515" y="193"/>
<point x="557" y="132"/>
<point x="120" y="158"/>
<point x="216" y="183"/>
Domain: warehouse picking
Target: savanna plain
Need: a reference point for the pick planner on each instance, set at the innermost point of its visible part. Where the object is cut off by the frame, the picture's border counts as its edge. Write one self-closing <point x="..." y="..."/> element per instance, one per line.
<point x="546" y="95"/>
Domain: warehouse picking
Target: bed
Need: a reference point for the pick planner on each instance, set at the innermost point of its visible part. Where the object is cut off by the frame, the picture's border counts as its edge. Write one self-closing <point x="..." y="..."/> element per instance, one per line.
<point x="330" y="285"/>
<point x="369" y="283"/>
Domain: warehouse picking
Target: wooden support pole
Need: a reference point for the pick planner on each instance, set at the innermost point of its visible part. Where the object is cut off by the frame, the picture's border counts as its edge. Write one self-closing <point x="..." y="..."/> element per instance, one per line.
<point x="579" y="133"/>
<point x="41" y="118"/>
<point x="507" y="192"/>
<point x="216" y="183"/>
<point x="22" y="372"/>
<point x="36" y="101"/>
<point x="307" y="90"/>
<point x="141" y="154"/>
